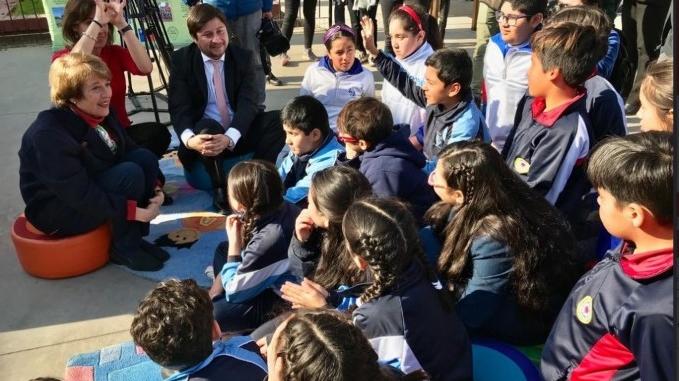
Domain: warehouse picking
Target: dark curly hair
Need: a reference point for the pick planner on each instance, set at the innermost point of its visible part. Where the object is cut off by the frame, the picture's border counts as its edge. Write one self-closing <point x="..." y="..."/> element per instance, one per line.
<point x="384" y="233"/>
<point x="499" y="204"/>
<point x="324" y="345"/>
<point x="332" y="191"/>
<point x="257" y="186"/>
<point x="173" y="324"/>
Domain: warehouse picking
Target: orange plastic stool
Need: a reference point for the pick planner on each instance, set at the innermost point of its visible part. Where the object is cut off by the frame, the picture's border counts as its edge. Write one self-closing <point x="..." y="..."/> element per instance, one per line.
<point x="53" y="258"/>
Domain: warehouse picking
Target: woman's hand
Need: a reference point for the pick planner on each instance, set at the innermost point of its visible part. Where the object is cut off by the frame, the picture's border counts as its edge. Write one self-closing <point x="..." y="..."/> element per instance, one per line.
<point x="308" y="294"/>
<point x="158" y="198"/>
<point x="102" y="15"/>
<point x="304" y="226"/>
<point x="367" y="34"/>
<point x="147" y="214"/>
<point x="117" y="13"/>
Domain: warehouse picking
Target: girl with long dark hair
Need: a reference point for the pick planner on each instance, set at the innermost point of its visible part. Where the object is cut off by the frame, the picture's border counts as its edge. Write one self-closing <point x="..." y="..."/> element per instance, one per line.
<point x="507" y="255"/>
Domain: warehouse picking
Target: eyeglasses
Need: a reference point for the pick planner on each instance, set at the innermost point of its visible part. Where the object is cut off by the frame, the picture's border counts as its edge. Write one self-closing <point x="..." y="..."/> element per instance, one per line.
<point x="346" y="139"/>
<point x="510" y="20"/>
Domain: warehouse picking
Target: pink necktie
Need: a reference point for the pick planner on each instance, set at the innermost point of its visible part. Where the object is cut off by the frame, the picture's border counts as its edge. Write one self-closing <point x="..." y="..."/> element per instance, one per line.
<point x="220" y="91"/>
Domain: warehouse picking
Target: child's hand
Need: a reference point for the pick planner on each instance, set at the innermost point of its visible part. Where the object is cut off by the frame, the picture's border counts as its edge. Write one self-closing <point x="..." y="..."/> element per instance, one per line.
<point x="304" y="226"/>
<point x="274" y="360"/>
<point x="305" y="295"/>
<point x="367" y="34"/>
<point x="234" y="228"/>
<point x="217" y="287"/>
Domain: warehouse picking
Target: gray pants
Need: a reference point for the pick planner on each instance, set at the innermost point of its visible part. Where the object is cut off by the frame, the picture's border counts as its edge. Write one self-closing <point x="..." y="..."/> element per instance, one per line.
<point x="243" y="33"/>
<point x="486" y="27"/>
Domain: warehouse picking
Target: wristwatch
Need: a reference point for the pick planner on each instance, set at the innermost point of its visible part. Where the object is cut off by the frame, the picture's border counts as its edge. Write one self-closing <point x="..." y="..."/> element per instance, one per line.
<point x="125" y="29"/>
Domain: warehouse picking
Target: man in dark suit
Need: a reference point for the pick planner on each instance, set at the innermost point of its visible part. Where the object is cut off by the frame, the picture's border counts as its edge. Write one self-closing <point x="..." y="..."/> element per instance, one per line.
<point x="212" y="101"/>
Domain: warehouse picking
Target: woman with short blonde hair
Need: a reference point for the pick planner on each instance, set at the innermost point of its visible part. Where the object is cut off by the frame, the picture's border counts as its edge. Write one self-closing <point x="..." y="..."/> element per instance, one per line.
<point x="79" y="169"/>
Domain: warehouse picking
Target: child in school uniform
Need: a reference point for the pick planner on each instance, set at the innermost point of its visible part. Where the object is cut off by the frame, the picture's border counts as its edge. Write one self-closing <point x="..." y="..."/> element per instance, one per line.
<point x="338" y="77"/>
<point x="408" y="321"/>
<point x="505" y="254"/>
<point x="446" y="94"/>
<point x="617" y="323"/>
<point x="323" y="345"/>
<point x="312" y="146"/>
<point x="383" y="153"/>
<point x="253" y="263"/>
<point x="550" y="140"/>
<point x="411" y="49"/>
<point x="506" y="63"/>
<point x="175" y="327"/>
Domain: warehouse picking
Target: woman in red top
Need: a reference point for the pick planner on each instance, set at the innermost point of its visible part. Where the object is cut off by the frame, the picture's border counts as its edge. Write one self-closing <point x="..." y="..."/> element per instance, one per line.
<point x="88" y="28"/>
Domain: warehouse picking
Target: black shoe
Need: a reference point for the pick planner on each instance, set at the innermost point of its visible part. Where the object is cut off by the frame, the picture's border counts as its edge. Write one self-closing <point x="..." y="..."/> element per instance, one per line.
<point x="632" y="108"/>
<point x="273" y="80"/>
<point x="138" y="260"/>
<point x="220" y="201"/>
<point x="168" y="200"/>
<point x="157" y="252"/>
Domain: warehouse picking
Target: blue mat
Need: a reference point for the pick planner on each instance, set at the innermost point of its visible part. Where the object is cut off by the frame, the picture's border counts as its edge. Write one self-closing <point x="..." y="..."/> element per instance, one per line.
<point x="186" y="229"/>
<point x="122" y="362"/>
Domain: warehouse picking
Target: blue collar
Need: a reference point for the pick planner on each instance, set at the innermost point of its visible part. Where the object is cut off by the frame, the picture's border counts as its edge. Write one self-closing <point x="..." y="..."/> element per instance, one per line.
<point x="231" y="347"/>
<point x="356" y="68"/>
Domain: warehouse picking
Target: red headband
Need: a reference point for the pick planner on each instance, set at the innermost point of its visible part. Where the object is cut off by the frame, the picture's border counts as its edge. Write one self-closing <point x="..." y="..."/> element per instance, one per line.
<point x="413" y="15"/>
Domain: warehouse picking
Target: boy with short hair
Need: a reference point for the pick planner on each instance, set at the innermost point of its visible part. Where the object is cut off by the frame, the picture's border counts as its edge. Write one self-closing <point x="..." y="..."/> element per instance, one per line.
<point x="617" y="322"/>
<point x="506" y="63"/>
<point x="550" y="139"/>
<point x="446" y="94"/>
<point x="174" y="325"/>
<point x="383" y="153"/>
<point x="312" y="144"/>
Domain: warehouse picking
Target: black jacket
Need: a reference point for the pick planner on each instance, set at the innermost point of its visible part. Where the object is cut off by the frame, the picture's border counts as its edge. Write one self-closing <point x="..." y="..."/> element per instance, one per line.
<point x="188" y="88"/>
<point x="59" y="156"/>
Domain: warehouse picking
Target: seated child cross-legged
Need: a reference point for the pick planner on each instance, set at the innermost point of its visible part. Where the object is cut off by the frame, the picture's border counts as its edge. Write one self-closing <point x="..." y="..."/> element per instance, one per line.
<point x="175" y="327"/>
<point x="383" y="153"/>
<point x="317" y="248"/>
<point x="550" y="140"/>
<point x="409" y="322"/>
<point x="324" y="345"/>
<point x="446" y="93"/>
<point x="617" y="322"/>
<point x="502" y="250"/>
<point x="253" y="263"/>
<point x="312" y="144"/>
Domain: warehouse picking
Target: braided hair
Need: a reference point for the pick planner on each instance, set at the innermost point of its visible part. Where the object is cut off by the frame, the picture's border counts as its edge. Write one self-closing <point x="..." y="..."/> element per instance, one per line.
<point x="324" y="345"/>
<point x="497" y="203"/>
<point x="256" y="185"/>
<point x="384" y="233"/>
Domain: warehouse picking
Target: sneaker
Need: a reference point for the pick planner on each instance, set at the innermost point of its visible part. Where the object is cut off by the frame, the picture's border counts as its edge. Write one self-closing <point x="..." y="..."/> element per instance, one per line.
<point x="309" y="55"/>
<point x="156" y="251"/>
<point x="273" y="80"/>
<point x="168" y="200"/>
<point x="285" y="59"/>
<point x="220" y="201"/>
<point x="138" y="260"/>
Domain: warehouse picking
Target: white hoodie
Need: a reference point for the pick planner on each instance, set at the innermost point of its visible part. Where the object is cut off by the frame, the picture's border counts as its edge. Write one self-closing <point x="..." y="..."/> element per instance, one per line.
<point x="402" y="109"/>
<point x="335" y="89"/>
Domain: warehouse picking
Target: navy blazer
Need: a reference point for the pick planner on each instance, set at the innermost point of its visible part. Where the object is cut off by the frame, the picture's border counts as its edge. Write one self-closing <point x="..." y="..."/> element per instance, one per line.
<point x="188" y="88"/>
<point x="59" y="155"/>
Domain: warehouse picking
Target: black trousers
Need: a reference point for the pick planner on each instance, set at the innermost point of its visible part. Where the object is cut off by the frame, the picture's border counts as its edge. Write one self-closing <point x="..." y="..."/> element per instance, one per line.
<point x="355" y="18"/>
<point x="134" y="177"/>
<point x="151" y="135"/>
<point x="265" y="139"/>
<point x="309" y="11"/>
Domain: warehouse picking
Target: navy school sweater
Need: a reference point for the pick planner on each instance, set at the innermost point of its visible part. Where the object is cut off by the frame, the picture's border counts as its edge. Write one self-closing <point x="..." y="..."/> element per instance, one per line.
<point x="617" y="323"/>
<point x="394" y="169"/>
<point x="410" y="329"/>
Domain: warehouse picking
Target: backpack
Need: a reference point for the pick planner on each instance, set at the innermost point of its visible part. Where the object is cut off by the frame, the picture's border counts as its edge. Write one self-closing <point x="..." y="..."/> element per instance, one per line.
<point x="622" y="76"/>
